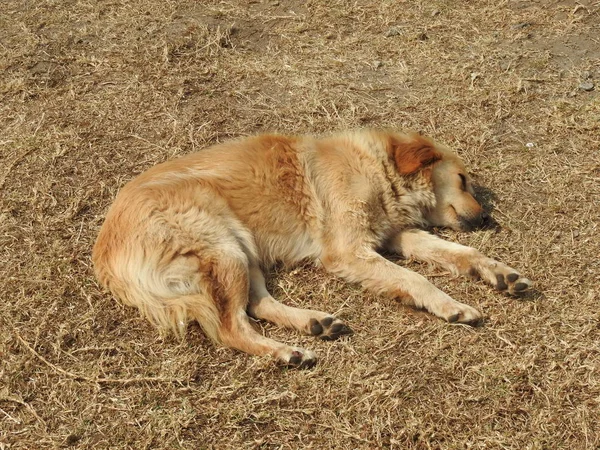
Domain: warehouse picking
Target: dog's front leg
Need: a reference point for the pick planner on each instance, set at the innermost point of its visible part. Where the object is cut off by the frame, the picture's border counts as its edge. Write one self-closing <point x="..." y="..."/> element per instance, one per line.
<point x="381" y="276"/>
<point x="458" y="259"/>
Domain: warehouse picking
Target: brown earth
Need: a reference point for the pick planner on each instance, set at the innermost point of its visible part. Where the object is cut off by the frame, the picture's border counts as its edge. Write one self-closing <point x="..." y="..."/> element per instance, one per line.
<point x="93" y="93"/>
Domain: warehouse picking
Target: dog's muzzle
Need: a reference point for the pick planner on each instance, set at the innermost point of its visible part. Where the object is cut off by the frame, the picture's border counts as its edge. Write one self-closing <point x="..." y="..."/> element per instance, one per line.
<point x="474" y="222"/>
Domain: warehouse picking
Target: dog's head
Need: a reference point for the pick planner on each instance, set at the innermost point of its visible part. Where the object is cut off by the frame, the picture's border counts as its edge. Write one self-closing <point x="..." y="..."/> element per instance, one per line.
<point x="455" y="206"/>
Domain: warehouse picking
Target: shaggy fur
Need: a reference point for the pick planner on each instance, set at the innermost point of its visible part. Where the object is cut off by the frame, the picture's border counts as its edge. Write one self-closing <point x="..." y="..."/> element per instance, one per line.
<point x="189" y="239"/>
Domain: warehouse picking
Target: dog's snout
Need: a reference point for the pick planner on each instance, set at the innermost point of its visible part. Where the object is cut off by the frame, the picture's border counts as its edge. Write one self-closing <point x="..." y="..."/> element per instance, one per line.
<point x="469" y="223"/>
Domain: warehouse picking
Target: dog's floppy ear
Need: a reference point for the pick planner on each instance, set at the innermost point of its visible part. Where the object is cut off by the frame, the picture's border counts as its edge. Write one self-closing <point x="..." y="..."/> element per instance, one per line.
<point x="412" y="153"/>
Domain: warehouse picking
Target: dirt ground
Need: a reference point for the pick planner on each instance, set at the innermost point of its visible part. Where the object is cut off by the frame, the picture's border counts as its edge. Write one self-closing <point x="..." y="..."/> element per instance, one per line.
<point x="93" y="93"/>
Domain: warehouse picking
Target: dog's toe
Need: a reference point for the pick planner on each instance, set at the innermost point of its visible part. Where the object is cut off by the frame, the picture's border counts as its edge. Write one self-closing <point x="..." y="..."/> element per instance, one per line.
<point x="500" y="282"/>
<point x="466" y="315"/>
<point x="300" y="358"/>
<point x="512" y="277"/>
<point x="316" y="328"/>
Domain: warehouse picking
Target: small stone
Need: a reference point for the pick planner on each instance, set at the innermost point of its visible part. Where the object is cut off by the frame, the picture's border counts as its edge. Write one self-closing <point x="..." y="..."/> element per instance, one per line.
<point x="377" y="64"/>
<point x="393" y="31"/>
<point x="43" y="68"/>
<point x="520" y="26"/>
<point x="586" y="86"/>
<point x="72" y="439"/>
<point x="435" y="12"/>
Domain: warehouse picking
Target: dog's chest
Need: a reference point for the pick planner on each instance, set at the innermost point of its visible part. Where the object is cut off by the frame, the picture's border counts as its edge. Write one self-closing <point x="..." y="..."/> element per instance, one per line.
<point x="401" y="209"/>
<point x="410" y="211"/>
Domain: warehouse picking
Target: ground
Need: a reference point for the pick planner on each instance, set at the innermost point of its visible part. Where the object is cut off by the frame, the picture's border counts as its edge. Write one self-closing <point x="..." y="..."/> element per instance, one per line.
<point x="93" y="93"/>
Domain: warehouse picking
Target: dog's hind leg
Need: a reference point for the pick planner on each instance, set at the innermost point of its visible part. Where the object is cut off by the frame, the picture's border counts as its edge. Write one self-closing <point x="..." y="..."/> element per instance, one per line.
<point x="203" y="271"/>
<point x="316" y="323"/>
<point x="227" y="283"/>
<point x="459" y="260"/>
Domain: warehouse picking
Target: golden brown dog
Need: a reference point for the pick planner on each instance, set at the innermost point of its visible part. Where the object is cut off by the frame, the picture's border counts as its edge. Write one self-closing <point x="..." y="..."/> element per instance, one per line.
<point x="189" y="239"/>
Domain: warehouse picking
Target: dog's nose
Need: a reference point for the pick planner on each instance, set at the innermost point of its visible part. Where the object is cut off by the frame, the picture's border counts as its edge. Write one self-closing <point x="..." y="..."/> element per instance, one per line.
<point x="474" y="222"/>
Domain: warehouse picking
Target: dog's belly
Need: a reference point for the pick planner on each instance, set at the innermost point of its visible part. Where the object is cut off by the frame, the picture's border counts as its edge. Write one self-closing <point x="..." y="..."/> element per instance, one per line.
<point x="281" y="232"/>
<point x="286" y="248"/>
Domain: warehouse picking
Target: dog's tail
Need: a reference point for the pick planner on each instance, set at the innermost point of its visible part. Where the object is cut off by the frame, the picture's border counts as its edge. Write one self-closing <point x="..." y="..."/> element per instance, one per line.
<point x="164" y="297"/>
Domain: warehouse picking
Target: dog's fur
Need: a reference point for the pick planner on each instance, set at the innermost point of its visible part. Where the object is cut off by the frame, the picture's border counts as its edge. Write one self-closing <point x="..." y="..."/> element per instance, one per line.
<point x="189" y="239"/>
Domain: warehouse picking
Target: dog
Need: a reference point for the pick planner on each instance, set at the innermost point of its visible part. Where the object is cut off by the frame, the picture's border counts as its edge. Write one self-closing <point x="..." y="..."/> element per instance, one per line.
<point x="189" y="239"/>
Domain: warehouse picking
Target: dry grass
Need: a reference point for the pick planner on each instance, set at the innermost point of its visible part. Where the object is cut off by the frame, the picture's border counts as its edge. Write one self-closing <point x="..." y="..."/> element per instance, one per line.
<point x="92" y="93"/>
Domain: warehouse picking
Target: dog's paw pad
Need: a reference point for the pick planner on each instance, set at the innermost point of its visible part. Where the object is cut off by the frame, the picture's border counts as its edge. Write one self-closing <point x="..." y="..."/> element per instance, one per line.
<point x="328" y="328"/>
<point x="300" y="359"/>
<point x="519" y="286"/>
<point x="466" y="315"/>
<point x="454" y="318"/>
<point x="512" y="277"/>
<point x="500" y="283"/>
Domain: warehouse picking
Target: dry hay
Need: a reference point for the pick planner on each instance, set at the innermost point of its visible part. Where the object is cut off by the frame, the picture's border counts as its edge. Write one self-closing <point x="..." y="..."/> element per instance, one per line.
<point x="92" y="93"/>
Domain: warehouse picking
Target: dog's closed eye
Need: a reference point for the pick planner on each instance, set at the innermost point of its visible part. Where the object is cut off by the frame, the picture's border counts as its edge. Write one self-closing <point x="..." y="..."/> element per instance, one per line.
<point x="463" y="180"/>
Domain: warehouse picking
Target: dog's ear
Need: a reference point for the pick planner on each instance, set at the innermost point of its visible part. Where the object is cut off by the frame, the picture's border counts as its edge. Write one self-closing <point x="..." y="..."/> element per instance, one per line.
<point x="412" y="153"/>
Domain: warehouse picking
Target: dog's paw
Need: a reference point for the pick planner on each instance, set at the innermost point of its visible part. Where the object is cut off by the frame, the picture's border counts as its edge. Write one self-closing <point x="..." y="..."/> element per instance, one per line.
<point x="508" y="280"/>
<point x="501" y="276"/>
<point x="513" y="283"/>
<point x="328" y="328"/>
<point x="461" y="313"/>
<point x="296" y="357"/>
